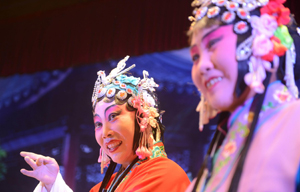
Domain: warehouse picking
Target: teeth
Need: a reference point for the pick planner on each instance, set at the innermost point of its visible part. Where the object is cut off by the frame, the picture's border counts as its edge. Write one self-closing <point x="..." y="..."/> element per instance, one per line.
<point x="213" y="81"/>
<point x="114" y="144"/>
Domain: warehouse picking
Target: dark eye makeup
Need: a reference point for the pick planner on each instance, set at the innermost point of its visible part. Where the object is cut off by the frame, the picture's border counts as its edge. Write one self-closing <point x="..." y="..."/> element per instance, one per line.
<point x="113" y="115"/>
<point x="195" y="57"/>
<point x="213" y="41"/>
<point x="98" y="124"/>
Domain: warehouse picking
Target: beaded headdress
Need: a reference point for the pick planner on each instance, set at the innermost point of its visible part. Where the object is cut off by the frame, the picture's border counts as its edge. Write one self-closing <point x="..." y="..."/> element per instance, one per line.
<point x="269" y="38"/>
<point x="136" y="91"/>
<point x="264" y="23"/>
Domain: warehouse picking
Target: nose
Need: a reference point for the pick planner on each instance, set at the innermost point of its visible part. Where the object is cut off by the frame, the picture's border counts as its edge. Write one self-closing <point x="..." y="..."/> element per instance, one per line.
<point x="107" y="131"/>
<point x="204" y="63"/>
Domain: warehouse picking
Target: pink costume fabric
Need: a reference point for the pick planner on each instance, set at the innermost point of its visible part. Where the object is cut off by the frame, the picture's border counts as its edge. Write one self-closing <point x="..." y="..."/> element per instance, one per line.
<point x="274" y="155"/>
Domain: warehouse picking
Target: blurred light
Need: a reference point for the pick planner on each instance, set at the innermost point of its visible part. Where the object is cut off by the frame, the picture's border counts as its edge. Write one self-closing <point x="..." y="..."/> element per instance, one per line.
<point x="55" y="151"/>
<point x="86" y="149"/>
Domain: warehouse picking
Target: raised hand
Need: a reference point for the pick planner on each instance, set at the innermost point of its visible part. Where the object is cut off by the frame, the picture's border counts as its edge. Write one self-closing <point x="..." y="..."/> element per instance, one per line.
<point x="44" y="169"/>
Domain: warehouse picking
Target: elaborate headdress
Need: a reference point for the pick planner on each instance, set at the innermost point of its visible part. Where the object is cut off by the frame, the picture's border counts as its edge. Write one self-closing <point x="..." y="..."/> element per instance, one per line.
<point x="263" y="37"/>
<point x="136" y="91"/>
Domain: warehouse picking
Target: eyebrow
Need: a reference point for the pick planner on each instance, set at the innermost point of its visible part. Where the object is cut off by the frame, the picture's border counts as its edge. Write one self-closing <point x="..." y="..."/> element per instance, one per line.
<point x="205" y="36"/>
<point x="210" y="32"/>
<point x="113" y="105"/>
<point x="96" y="115"/>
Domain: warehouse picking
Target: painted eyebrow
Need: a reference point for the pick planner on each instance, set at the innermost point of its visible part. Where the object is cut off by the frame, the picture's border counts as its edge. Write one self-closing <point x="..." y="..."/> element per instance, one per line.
<point x="205" y="36"/>
<point x="210" y="32"/>
<point x="113" y="105"/>
<point x="96" y="115"/>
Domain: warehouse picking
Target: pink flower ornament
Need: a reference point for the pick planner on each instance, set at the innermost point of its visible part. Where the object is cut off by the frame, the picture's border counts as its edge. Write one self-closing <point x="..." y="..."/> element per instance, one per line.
<point x="143" y="124"/>
<point x="262" y="45"/>
<point x="265" y="24"/>
<point x="143" y="152"/>
<point x="257" y="74"/>
<point x="136" y="102"/>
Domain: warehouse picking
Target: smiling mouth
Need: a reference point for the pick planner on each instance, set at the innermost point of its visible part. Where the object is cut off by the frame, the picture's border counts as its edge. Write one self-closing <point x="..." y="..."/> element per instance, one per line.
<point x="112" y="146"/>
<point x="213" y="81"/>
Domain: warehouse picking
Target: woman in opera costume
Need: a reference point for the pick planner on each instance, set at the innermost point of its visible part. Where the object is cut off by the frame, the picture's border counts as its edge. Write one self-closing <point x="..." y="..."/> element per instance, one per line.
<point x="245" y="63"/>
<point x="129" y="131"/>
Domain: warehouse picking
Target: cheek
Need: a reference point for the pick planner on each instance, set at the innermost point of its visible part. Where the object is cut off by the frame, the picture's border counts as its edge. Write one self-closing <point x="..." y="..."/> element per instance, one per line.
<point x="226" y="62"/>
<point x="98" y="137"/>
<point x="196" y="77"/>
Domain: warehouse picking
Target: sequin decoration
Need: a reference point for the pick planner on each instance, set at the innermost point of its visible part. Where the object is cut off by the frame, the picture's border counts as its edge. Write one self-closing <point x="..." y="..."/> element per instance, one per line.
<point x="228" y="17"/>
<point x="250" y="6"/>
<point x="200" y="13"/>
<point x="101" y="92"/>
<point x="123" y="86"/>
<point x="129" y="91"/>
<point x="111" y="92"/>
<point x="243" y="14"/>
<point x="243" y="51"/>
<point x="212" y="12"/>
<point x="129" y="101"/>
<point x="122" y="95"/>
<point x="241" y="27"/>
<point x="232" y="6"/>
<point x="116" y="82"/>
<point x="221" y="2"/>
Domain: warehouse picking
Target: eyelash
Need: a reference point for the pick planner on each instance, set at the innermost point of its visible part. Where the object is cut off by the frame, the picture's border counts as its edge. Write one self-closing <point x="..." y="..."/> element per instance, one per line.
<point x="115" y="114"/>
<point x="213" y="42"/>
<point x="98" y="125"/>
<point x="195" y="57"/>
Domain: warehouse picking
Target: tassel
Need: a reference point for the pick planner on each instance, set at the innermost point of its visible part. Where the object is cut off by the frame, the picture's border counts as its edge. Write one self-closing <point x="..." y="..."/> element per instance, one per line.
<point x="158" y="134"/>
<point x="201" y="110"/>
<point x="103" y="160"/>
<point x="206" y="112"/>
<point x="145" y="141"/>
<point x="289" y="71"/>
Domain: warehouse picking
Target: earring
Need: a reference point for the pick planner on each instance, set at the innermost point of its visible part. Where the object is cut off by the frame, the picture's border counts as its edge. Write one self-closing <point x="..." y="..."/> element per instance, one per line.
<point x="103" y="160"/>
<point x="145" y="144"/>
<point x="289" y="71"/>
<point x="206" y="112"/>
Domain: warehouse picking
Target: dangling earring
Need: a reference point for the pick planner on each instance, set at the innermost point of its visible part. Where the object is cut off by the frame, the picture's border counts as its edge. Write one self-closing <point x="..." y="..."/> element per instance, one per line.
<point x="289" y="71"/>
<point x="158" y="134"/>
<point x="103" y="160"/>
<point x="144" y="144"/>
<point x="206" y="112"/>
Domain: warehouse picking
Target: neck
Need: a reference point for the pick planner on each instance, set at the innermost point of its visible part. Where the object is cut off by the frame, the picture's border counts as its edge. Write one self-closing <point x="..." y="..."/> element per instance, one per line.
<point x="126" y="164"/>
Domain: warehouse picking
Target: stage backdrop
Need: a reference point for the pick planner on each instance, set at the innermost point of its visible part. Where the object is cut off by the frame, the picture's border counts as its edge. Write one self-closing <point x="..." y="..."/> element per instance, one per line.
<point x="50" y="112"/>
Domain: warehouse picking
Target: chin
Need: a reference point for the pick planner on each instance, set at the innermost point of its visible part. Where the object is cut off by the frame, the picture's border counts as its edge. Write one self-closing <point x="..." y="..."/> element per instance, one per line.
<point x="222" y="104"/>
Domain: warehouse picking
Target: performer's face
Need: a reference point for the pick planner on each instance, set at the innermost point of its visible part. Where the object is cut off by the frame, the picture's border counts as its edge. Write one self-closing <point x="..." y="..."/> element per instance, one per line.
<point x="215" y="68"/>
<point x="114" y="131"/>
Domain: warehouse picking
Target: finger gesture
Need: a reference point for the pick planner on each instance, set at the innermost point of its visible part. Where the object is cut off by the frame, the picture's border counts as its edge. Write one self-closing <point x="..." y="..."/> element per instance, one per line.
<point x="44" y="169"/>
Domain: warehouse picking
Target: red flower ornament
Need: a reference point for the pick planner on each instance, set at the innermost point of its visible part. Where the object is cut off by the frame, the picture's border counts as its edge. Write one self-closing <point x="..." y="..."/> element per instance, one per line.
<point x="278" y="49"/>
<point x="276" y="9"/>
